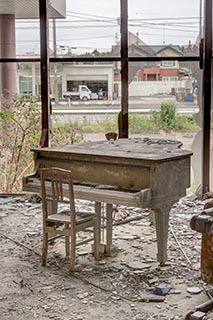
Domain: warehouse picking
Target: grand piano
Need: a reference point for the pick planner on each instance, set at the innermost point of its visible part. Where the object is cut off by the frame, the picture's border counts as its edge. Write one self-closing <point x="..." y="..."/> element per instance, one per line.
<point x="144" y="172"/>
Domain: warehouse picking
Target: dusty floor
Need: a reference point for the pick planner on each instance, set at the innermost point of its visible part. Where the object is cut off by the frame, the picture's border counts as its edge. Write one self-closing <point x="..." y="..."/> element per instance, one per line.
<point x="110" y="289"/>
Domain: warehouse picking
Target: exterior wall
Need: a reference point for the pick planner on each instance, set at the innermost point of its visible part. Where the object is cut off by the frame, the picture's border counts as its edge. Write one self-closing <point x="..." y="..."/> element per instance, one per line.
<point x="170" y="73"/>
<point x="147" y="88"/>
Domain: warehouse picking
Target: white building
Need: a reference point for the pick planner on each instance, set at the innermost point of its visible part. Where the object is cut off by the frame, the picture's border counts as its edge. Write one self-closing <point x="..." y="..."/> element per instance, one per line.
<point x="95" y="76"/>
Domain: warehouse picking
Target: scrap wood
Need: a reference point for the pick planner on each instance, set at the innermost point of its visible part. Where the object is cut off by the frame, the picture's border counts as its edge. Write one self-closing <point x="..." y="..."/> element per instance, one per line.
<point x="178" y="243"/>
<point x="206" y="306"/>
<point x="151" y="298"/>
<point x="129" y="219"/>
<point x="202" y="308"/>
<point x="119" y="214"/>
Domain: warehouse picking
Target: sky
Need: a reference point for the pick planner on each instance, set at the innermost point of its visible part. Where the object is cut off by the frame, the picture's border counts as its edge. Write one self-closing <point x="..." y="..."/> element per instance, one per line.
<point x="94" y="24"/>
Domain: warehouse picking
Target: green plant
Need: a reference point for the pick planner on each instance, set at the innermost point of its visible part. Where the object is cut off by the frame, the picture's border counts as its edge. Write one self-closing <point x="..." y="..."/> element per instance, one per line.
<point x="142" y="123"/>
<point x="185" y="123"/>
<point x="86" y="125"/>
<point x="20" y="130"/>
<point x="166" y="117"/>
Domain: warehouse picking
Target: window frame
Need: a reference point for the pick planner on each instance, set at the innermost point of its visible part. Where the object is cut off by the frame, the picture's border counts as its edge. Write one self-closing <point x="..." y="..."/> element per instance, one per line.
<point x="124" y="59"/>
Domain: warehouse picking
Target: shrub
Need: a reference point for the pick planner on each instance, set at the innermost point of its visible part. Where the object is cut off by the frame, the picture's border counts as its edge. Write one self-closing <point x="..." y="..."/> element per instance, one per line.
<point x="20" y="131"/>
<point x="167" y="115"/>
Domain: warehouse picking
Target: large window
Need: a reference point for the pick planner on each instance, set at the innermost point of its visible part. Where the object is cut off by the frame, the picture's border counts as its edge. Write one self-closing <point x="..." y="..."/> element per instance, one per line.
<point x="85" y="45"/>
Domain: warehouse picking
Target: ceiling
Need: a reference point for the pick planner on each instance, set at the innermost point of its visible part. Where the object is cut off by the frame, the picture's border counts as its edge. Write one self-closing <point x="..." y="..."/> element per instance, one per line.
<point x="29" y="9"/>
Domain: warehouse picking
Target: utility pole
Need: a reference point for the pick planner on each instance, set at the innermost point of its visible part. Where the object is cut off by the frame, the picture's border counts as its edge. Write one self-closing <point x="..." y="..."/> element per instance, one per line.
<point x="164" y="32"/>
<point x="200" y="20"/>
<point x="116" y="38"/>
<point x="55" y="64"/>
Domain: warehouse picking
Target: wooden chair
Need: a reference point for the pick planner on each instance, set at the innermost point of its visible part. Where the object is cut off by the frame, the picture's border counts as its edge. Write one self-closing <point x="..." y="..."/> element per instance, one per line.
<point x="57" y="191"/>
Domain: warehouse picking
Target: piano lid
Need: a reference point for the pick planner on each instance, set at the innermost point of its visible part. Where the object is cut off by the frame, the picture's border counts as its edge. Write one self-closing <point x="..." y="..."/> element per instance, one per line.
<point x="132" y="148"/>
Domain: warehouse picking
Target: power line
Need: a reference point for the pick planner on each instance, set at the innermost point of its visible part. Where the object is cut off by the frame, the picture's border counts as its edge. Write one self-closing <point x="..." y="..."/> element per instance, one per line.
<point x="161" y="27"/>
<point x="75" y="39"/>
<point x="168" y="18"/>
<point x="87" y="15"/>
<point x="156" y="26"/>
<point x="107" y="19"/>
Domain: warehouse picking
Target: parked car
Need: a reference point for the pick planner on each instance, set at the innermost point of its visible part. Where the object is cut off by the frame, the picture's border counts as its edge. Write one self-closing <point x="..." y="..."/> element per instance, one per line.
<point x="82" y="93"/>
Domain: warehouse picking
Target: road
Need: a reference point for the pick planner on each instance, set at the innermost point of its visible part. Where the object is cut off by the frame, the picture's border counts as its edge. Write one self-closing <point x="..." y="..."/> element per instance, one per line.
<point x="142" y="105"/>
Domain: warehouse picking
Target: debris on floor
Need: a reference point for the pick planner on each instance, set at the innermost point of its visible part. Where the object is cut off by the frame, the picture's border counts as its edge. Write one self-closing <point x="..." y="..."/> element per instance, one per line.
<point x="130" y="285"/>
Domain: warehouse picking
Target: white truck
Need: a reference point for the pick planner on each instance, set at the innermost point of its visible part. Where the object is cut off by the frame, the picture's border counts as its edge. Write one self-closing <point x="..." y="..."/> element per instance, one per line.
<point x="83" y="93"/>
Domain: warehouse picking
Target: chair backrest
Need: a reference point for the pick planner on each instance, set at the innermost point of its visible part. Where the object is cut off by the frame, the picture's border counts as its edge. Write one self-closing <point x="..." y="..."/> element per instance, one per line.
<point x="57" y="187"/>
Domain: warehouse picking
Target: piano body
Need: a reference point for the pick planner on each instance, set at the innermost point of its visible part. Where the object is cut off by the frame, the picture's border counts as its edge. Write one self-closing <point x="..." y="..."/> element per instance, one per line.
<point x="146" y="173"/>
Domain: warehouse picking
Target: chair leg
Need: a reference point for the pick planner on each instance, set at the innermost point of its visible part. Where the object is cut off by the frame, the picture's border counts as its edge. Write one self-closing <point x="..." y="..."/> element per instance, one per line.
<point x="67" y="246"/>
<point x="73" y="249"/>
<point x="109" y="208"/>
<point x="67" y="242"/>
<point x="45" y="248"/>
<point x="97" y="238"/>
<point x="98" y="212"/>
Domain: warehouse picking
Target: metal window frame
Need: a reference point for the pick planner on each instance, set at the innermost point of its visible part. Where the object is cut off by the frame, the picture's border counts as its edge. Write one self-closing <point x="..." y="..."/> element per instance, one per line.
<point x="204" y="59"/>
<point x="207" y="93"/>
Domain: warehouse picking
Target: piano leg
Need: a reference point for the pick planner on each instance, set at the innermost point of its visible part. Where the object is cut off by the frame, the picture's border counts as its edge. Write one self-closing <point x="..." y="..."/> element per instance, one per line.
<point x="162" y="224"/>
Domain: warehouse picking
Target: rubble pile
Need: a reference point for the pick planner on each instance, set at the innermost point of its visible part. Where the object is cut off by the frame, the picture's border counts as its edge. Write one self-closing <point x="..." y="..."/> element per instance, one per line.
<point x="130" y="285"/>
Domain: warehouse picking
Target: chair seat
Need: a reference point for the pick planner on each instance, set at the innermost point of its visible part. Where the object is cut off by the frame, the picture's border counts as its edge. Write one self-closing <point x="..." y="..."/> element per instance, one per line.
<point x="64" y="217"/>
